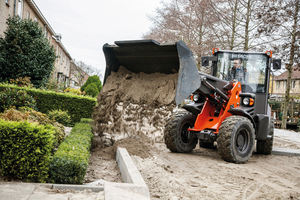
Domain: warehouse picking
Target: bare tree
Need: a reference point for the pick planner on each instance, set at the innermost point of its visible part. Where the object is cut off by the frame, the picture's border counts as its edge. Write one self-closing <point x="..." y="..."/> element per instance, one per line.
<point x="188" y="20"/>
<point x="228" y="23"/>
<point x="80" y="71"/>
<point x="282" y="20"/>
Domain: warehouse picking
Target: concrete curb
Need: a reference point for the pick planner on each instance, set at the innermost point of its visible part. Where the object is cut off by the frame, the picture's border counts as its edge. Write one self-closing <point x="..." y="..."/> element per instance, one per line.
<point x="285" y="152"/>
<point x="135" y="186"/>
<point x="78" y="187"/>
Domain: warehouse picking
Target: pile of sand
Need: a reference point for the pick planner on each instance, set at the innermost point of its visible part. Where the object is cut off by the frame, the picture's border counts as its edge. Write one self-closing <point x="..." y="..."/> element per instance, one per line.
<point x="134" y="104"/>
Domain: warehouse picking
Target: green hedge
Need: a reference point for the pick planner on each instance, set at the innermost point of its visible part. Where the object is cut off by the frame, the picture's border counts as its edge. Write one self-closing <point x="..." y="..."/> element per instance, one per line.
<point x="86" y="120"/>
<point x="70" y="162"/>
<point x="25" y="150"/>
<point x="77" y="106"/>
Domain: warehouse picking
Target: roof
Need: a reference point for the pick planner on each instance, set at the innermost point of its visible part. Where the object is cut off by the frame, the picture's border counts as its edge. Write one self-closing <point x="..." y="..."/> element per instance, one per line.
<point x="44" y="21"/>
<point x="295" y="73"/>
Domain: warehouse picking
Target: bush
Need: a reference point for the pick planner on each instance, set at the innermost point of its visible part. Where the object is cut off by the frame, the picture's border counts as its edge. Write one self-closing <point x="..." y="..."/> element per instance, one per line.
<point x="60" y="116"/>
<point x="10" y="97"/>
<point x="70" y="162"/>
<point x="92" y="90"/>
<point x="74" y="91"/>
<point x="32" y="116"/>
<point x="25" y="150"/>
<point x="86" y="120"/>
<point x="25" y="51"/>
<point x="92" y="79"/>
<point x="77" y="106"/>
<point x="21" y="82"/>
<point x="54" y="85"/>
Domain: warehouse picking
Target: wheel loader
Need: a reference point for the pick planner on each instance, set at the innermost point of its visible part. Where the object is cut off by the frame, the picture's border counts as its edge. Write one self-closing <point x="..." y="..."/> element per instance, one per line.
<point x="234" y="113"/>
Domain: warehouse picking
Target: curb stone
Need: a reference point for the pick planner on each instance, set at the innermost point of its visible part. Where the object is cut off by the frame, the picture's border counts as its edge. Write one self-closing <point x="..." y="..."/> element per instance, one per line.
<point x="135" y="186"/>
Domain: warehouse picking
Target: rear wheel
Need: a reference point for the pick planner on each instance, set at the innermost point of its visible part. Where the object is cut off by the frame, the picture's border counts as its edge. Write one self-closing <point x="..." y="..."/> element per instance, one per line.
<point x="236" y="139"/>
<point x="265" y="146"/>
<point x="177" y="138"/>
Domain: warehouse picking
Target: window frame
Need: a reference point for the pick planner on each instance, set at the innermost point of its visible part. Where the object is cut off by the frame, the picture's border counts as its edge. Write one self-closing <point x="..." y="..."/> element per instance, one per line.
<point x="293" y="84"/>
<point x="278" y="85"/>
<point x="20" y="8"/>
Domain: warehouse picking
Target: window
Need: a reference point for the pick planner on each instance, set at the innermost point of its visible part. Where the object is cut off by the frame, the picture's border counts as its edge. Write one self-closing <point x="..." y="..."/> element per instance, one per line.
<point x="61" y="57"/>
<point x="253" y="70"/>
<point x="20" y="8"/>
<point x="35" y="19"/>
<point x="57" y="51"/>
<point x="45" y="30"/>
<point x="293" y="84"/>
<point x="278" y="85"/>
<point x="284" y="84"/>
<point x="28" y="14"/>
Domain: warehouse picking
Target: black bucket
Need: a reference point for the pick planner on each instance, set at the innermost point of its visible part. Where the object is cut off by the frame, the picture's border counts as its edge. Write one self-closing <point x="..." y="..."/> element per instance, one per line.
<point x="149" y="56"/>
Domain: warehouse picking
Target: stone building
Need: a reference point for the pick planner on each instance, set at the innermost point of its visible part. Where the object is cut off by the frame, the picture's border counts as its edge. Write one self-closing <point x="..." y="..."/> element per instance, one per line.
<point x="27" y="9"/>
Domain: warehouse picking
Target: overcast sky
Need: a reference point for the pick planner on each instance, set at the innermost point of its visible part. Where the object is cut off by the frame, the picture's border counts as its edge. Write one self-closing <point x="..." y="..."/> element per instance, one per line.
<point x="87" y="25"/>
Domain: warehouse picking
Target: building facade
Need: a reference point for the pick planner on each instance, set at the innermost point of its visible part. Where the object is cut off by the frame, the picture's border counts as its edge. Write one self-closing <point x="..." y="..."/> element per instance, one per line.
<point x="27" y="9"/>
<point x="280" y="83"/>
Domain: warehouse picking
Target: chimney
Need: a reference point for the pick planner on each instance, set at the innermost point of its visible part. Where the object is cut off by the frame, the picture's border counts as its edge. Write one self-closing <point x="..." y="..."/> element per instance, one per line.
<point x="58" y="36"/>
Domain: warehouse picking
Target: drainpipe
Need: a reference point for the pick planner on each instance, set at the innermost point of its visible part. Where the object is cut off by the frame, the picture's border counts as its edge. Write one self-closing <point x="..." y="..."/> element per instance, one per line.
<point x="15" y="7"/>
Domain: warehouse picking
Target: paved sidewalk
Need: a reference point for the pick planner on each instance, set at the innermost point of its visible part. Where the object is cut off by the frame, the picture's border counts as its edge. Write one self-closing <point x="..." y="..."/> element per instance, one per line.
<point x="36" y="191"/>
<point x="287" y="135"/>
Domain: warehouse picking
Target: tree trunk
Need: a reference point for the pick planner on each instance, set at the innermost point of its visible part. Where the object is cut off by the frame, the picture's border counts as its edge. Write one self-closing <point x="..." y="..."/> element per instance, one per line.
<point x="292" y="114"/>
<point x="289" y="67"/>
<point x="246" y="46"/>
<point x="234" y="21"/>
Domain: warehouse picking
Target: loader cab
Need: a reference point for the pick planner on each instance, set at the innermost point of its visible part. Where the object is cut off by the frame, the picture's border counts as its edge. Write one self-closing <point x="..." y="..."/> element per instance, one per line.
<point x="250" y="69"/>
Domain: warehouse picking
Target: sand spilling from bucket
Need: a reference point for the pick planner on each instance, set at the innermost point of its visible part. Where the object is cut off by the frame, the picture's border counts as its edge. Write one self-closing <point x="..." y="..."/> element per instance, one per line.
<point x="133" y="104"/>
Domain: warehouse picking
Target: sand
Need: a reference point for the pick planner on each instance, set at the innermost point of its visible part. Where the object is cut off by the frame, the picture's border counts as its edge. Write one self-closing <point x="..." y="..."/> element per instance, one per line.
<point x="132" y="106"/>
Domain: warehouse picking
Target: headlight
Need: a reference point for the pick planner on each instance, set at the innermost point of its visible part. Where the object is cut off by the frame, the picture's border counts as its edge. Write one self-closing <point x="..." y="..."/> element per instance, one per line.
<point x="247" y="101"/>
<point x="195" y="97"/>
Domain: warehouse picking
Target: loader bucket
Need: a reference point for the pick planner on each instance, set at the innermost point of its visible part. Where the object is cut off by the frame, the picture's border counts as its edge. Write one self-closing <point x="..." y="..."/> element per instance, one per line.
<point x="149" y="56"/>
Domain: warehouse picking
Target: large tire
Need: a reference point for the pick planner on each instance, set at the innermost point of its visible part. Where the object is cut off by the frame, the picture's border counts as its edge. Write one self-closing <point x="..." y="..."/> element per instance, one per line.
<point x="265" y="146"/>
<point x="207" y="145"/>
<point x="236" y="139"/>
<point x="176" y="135"/>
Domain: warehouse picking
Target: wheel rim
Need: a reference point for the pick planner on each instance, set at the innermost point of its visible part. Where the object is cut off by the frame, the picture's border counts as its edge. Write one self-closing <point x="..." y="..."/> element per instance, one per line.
<point x="242" y="141"/>
<point x="185" y="136"/>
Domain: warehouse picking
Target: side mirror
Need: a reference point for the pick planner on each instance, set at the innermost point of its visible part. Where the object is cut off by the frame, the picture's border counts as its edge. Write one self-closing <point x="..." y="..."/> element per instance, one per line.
<point x="276" y="64"/>
<point x="205" y="61"/>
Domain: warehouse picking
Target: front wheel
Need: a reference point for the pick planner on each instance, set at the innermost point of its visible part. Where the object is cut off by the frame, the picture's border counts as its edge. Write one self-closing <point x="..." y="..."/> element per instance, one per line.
<point x="236" y="139"/>
<point x="177" y="138"/>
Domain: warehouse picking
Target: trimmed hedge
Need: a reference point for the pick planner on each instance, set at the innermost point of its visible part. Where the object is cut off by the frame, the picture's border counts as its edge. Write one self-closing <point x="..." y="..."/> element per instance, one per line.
<point x="70" y="162"/>
<point x="86" y="120"/>
<point x="25" y="150"/>
<point x="10" y="97"/>
<point x="32" y="116"/>
<point x="60" y="116"/>
<point x="77" y="106"/>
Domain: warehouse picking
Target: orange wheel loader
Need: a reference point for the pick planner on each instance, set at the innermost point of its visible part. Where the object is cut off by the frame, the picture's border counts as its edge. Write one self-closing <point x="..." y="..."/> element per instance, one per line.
<point x="230" y="106"/>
